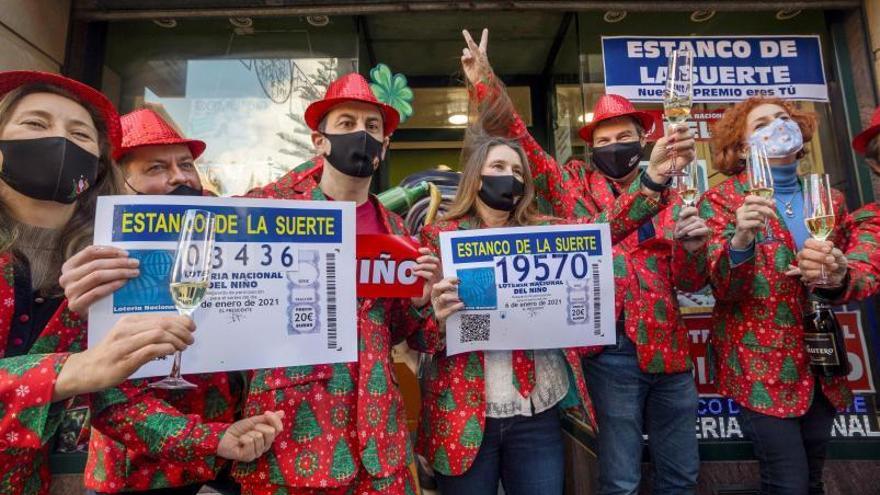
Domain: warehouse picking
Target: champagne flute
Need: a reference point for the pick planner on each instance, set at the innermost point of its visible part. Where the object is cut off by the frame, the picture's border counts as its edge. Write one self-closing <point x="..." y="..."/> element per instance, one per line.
<point x="190" y="278"/>
<point x="688" y="185"/>
<point x="818" y="213"/>
<point x="678" y="94"/>
<point x="760" y="181"/>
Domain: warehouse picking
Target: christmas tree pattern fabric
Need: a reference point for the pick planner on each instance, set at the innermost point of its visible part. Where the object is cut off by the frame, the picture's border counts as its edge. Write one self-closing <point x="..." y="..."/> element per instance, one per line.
<point x="145" y="438"/>
<point x="757" y="348"/>
<point x="862" y="228"/>
<point x="646" y="273"/>
<point x="344" y="424"/>
<point x="28" y="417"/>
<point x="557" y="191"/>
<point x="454" y="392"/>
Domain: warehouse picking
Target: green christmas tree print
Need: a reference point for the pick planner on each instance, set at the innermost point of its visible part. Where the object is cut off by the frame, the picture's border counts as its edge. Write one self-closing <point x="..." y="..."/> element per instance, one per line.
<point x="159" y="480"/>
<point x="660" y="311"/>
<point x="157" y="427"/>
<point x="34" y="418"/>
<point x="760" y="286"/>
<point x="641" y="333"/>
<point x="343" y="464"/>
<point x="378" y="384"/>
<point x="391" y="426"/>
<point x="750" y="338"/>
<point x="275" y="474"/>
<point x="19" y="365"/>
<point x="473" y="369"/>
<point x="370" y="456"/>
<point x="784" y="316"/>
<point x="733" y="362"/>
<point x="788" y="373"/>
<point x="472" y="435"/>
<point x="446" y="401"/>
<point x="759" y="397"/>
<point x="45" y="345"/>
<point x="305" y="425"/>
<point x="215" y="403"/>
<point x="340" y="383"/>
<point x="377" y="315"/>
<point x="441" y="461"/>
<point x="657" y="365"/>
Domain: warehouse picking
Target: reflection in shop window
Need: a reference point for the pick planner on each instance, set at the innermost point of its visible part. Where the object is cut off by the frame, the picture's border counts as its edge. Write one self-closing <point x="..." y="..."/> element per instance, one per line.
<point x="250" y="114"/>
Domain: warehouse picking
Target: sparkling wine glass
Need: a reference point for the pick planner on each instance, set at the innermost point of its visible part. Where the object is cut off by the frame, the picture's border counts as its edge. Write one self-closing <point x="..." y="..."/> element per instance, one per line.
<point x="818" y="213"/>
<point x="678" y="94"/>
<point x="688" y="185"/>
<point x="760" y="181"/>
<point x="190" y="278"/>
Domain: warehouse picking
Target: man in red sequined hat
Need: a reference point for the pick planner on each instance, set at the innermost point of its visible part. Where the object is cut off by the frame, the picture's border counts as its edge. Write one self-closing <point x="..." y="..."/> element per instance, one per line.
<point x="344" y="426"/>
<point x="645" y="380"/>
<point x="859" y="259"/>
<point x="145" y="439"/>
<point x="155" y="158"/>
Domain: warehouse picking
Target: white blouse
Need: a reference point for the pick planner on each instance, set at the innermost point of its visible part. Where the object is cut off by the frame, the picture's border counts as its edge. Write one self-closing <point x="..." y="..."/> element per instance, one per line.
<point x="503" y="400"/>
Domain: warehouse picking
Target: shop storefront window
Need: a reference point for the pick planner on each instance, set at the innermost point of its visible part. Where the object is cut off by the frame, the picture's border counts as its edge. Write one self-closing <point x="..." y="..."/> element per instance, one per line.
<point x="241" y="91"/>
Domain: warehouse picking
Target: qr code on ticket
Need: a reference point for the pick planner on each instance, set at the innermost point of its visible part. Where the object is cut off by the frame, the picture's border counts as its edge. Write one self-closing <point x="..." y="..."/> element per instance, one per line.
<point x="474" y="328"/>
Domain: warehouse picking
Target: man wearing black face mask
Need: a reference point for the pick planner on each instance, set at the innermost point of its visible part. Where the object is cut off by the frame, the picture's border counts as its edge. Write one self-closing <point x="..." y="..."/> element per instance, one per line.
<point x="360" y="442"/>
<point x="155" y="158"/>
<point x="645" y="380"/>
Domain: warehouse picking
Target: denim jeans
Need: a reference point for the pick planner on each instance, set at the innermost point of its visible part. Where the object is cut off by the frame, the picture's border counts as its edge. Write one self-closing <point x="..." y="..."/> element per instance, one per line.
<point x="524" y="452"/>
<point x="791" y="451"/>
<point x="628" y="401"/>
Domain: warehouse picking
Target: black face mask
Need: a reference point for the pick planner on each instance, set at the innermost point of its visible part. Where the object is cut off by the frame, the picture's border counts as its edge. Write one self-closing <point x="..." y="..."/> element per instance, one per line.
<point x="617" y="160"/>
<point x="48" y="169"/>
<point x="181" y="190"/>
<point x="500" y="192"/>
<point x="353" y="153"/>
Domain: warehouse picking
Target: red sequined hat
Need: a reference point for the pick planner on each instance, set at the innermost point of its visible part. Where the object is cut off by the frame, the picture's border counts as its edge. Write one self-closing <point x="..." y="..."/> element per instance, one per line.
<point x="350" y="87"/>
<point x="14" y="79"/>
<point x="610" y="106"/>
<point x="145" y="127"/>
<point x="860" y="143"/>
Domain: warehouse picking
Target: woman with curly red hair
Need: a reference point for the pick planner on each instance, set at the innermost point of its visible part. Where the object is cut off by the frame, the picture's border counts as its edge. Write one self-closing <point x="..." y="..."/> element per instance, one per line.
<point x="759" y="354"/>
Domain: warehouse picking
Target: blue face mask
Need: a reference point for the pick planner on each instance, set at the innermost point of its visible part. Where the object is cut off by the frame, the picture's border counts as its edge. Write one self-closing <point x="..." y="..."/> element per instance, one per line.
<point x="781" y="138"/>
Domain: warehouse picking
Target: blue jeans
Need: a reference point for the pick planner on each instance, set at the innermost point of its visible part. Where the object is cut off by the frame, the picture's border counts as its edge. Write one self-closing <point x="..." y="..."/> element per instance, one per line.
<point x="524" y="452"/>
<point x="791" y="451"/>
<point x="628" y="400"/>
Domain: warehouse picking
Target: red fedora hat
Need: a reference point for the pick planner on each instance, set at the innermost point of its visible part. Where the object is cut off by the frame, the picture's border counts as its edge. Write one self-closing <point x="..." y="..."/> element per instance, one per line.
<point x="611" y="106"/>
<point x="860" y="143"/>
<point x="14" y="79"/>
<point x="145" y="127"/>
<point x="350" y="87"/>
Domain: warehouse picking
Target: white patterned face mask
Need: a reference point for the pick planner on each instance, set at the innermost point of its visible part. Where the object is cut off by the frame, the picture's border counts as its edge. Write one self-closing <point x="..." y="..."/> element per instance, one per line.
<point x="780" y="138"/>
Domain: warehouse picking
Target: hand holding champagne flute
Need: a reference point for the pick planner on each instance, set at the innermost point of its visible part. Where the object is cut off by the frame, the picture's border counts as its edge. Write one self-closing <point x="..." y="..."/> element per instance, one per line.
<point x="761" y="182"/>
<point x="190" y="278"/>
<point x="818" y="213"/>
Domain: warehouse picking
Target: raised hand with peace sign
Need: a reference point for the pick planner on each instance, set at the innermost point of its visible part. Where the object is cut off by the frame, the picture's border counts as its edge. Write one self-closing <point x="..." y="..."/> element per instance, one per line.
<point x="474" y="60"/>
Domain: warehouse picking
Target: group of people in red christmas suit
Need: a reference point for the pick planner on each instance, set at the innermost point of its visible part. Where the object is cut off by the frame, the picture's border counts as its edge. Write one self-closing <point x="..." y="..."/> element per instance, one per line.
<point x="488" y="418"/>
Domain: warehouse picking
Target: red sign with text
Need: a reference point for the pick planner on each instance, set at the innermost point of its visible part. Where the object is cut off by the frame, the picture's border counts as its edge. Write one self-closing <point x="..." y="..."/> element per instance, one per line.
<point x="860" y="378"/>
<point x="385" y="266"/>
